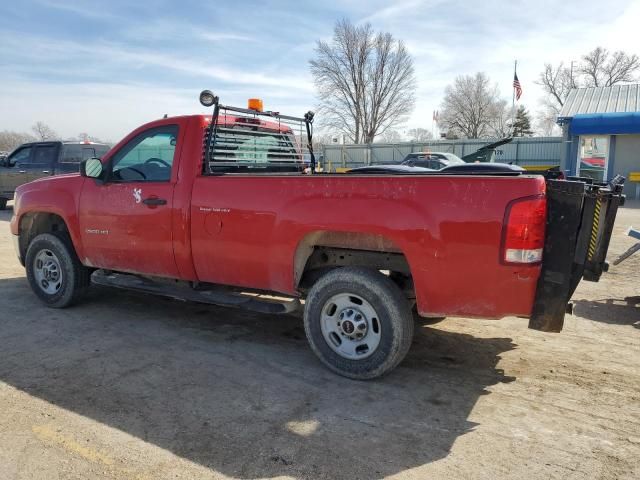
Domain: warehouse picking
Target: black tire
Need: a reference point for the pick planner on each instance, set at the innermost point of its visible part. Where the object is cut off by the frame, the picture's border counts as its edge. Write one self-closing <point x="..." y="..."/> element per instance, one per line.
<point x="3" y="203"/>
<point x="75" y="278"/>
<point x="394" y="321"/>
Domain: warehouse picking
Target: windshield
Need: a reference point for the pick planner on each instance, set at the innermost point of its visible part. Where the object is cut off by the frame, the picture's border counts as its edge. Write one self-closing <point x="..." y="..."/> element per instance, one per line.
<point x="453" y="159"/>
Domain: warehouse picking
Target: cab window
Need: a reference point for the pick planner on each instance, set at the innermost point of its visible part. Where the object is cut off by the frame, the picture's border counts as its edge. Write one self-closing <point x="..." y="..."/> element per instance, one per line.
<point x="45" y="155"/>
<point x="22" y="156"/>
<point x="146" y="158"/>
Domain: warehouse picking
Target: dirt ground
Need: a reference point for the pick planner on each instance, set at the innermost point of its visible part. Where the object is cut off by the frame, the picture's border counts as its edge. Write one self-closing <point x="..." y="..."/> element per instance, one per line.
<point x="137" y="387"/>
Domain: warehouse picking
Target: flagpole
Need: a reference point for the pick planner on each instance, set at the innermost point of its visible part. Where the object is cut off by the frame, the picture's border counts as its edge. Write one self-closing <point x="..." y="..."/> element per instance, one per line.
<point x="513" y="99"/>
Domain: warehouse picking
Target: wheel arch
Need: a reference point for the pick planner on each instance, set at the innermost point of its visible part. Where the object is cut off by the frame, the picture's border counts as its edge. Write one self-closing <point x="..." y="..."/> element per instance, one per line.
<point x="34" y="223"/>
<point x="323" y="250"/>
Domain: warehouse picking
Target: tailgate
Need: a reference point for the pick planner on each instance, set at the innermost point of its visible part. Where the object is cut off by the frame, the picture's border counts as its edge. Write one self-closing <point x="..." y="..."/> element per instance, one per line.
<point x="580" y="218"/>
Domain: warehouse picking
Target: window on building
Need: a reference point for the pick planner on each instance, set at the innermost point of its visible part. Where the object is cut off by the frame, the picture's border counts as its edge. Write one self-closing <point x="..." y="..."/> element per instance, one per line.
<point x="593" y="155"/>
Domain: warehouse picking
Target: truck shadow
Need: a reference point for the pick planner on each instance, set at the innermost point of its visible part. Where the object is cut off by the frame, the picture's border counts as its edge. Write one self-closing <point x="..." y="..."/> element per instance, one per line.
<point x="616" y="311"/>
<point x="241" y="393"/>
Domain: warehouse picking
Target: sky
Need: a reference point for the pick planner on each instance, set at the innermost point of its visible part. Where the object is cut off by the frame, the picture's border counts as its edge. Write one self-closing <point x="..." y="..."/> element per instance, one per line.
<point x="105" y="68"/>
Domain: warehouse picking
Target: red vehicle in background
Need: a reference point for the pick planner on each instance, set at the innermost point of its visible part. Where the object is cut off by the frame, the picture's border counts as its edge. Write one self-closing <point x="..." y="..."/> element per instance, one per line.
<point x="218" y="209"/>
<point x="597" y="162"/>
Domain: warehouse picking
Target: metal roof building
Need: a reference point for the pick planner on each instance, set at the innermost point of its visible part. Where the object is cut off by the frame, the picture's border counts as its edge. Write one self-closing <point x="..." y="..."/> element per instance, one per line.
<point x="616" y="99"/>
<point x="601" y="132"/>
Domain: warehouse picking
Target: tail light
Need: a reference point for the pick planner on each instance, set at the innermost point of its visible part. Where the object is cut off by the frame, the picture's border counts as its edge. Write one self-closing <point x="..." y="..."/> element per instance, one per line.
<point x="523" y="231"/>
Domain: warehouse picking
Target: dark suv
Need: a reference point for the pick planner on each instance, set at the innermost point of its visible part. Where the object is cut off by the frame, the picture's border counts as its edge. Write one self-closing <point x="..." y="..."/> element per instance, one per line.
<point x="31" y="161"/>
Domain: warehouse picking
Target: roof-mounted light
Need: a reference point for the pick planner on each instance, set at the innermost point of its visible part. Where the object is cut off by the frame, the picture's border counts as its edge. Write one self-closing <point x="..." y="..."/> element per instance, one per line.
<point x="207" y="98"/>
<point x="255" y="104"/>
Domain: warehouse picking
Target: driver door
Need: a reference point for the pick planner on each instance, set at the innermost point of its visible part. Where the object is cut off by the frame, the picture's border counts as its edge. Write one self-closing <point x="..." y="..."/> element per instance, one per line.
<point x="14" y="175"/>
<point x="126" y="220"/>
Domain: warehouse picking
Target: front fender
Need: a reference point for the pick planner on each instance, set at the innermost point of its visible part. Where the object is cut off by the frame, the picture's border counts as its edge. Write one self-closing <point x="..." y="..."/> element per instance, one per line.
<point x="57" y="196"/>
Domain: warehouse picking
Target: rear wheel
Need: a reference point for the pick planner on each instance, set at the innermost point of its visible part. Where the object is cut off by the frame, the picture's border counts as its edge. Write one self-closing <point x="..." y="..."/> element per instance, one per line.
<point x="358" y="322"/>
<point x="54" y="272"/>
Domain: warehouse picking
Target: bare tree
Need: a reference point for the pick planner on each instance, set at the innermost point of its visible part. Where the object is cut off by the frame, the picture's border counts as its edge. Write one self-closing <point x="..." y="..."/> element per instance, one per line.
<point x="604" y="69"/>
<point x="390" y="136"/>
<point x="10" y="140"/>
<point x="501" y="119"/>
<point x="546" y="123"/>
<point x="597" y="68"/>
<point x="419" y="134"/>
<point x="365" y="81"/>
<point x="85" y="137"/>
<point x="557" y="82"/>
<point x="43" y="131"/>
<point x="470" y="107"/>
<point x="319" y="140"/>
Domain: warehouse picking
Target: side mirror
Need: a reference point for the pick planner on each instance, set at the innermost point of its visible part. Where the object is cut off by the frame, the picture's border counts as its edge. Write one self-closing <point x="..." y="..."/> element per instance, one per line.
<point x="4" y="162"/>
<point x="91" y="168"/>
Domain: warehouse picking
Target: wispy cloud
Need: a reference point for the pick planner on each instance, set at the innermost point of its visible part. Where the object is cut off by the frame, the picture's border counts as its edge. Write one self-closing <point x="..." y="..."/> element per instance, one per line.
<point x="114" y="56"/>
<point x="221" y="36"/>
<point x="398" y="8"/>
<point x="93" y="11"/>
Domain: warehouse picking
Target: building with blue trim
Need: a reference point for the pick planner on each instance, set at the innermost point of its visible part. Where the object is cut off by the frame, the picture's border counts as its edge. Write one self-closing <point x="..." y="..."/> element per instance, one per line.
<point x="601" y="132"/>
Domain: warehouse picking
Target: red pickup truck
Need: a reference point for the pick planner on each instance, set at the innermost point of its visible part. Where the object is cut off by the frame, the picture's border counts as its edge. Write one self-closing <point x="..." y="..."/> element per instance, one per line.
<point x="219" y="209"/>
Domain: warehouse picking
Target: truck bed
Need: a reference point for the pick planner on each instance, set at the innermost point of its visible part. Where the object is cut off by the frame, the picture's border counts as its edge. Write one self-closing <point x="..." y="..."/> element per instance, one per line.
<point x="448" y="227"/>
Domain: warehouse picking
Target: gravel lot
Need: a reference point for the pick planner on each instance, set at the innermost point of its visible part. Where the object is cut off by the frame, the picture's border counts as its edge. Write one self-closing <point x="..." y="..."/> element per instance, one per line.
<point x="133" y="386"/>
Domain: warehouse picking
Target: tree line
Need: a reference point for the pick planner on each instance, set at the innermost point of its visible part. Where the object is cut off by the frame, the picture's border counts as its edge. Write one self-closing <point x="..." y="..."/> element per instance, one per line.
<point x="40" y="132"/>
<point x="366" y="87"/>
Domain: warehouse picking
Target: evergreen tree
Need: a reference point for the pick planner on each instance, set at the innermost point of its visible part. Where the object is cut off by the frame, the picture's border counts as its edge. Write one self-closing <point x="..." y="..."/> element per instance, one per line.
<point x="522" y="125"/>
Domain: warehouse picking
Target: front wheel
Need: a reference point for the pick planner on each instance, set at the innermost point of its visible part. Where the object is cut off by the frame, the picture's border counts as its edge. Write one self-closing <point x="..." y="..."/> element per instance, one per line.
<point x="3" y="203"/>
<point x="358" y="322"/>
<point x="54" y="272"/>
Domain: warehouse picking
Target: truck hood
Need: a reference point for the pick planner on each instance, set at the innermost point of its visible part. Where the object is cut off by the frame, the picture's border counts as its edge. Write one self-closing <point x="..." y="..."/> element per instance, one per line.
<point x="46" y="183"/>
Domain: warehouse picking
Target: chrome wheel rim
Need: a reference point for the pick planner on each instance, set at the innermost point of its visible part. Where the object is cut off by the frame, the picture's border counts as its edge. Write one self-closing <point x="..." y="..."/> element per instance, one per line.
<point x="350" y="326"/>
<point x="47" y="272"/>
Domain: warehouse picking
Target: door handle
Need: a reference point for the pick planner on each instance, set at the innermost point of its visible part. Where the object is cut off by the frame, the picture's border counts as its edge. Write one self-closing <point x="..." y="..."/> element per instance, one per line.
<point x="22" y="171"/>
<point x="154" y="201"/>
<point x="45" y="171"/>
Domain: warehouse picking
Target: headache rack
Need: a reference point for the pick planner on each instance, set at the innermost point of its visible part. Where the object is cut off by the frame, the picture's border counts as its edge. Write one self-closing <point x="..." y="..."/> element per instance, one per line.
<point x="250" y="140"/>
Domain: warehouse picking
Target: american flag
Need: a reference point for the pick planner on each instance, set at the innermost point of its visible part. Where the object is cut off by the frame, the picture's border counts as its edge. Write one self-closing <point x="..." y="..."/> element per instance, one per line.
<point x="516" y="86"/>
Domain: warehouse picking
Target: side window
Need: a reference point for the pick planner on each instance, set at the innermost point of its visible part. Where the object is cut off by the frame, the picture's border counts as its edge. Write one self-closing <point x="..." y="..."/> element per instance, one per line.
<point x="45" y="155"/>
<point x="76" y="153"/>
<point x="71" y="153"/>
<point x="22" y="156"/>
<point x="146" y="158"/>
